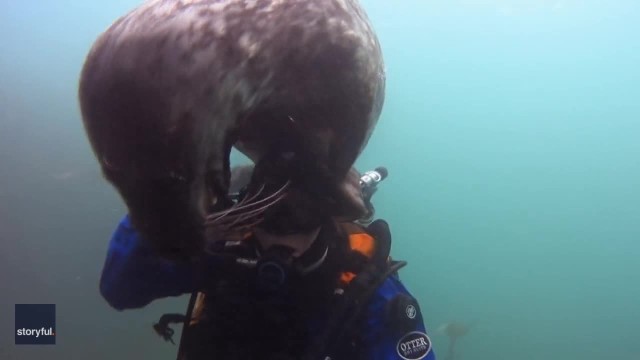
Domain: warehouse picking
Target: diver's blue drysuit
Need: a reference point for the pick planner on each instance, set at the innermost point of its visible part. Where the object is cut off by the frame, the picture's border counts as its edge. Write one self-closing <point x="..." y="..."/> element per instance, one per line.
<point x="133" y="277"/>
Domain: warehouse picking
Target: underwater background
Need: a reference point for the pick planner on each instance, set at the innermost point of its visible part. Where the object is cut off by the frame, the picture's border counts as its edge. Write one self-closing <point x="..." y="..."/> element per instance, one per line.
<point x="510" y="132"/>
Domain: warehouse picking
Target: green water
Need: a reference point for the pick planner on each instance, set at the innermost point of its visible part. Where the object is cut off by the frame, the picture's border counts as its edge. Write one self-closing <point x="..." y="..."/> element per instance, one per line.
<point x="510" y="131"/>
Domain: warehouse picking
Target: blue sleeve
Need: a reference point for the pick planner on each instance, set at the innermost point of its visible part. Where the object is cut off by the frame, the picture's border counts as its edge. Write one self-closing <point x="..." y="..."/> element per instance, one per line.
<point x="133" y="275"/>
<point x="394" y="326"/>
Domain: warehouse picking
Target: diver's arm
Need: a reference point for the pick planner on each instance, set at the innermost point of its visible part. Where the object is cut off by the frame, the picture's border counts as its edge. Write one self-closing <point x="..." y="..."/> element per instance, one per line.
<point x="133" y="275"/>
<point x="394" y="328"/>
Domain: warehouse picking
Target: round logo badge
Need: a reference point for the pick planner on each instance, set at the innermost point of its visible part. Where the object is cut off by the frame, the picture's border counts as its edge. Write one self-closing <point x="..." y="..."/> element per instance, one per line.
<point x="414" y="346"/>
<point x="411" y="311"/>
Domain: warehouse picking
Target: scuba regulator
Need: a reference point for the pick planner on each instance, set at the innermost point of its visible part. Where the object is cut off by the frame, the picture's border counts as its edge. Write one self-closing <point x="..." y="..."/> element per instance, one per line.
<point x="369" y="185"/>
<point x="276" y="266"/>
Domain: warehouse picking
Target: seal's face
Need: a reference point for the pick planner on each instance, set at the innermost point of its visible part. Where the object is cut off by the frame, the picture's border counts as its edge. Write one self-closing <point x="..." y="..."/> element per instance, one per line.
<point x="170" y="88"/>
<point x="164" y="210"/>
<point x="159" y="173"/>
<point x="159" y="155"/>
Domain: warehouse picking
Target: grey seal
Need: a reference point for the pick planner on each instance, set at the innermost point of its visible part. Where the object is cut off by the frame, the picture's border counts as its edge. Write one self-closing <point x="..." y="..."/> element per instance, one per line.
<point x="172" y="86"/>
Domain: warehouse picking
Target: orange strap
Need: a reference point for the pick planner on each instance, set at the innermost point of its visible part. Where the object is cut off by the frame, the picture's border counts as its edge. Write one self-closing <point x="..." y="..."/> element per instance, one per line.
<point x="360" y="242"/>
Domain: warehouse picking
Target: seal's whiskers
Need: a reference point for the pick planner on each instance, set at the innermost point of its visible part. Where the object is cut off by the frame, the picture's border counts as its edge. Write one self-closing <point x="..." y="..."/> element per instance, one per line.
<point x="236" y="207"/>
<point x="246" y="214"/>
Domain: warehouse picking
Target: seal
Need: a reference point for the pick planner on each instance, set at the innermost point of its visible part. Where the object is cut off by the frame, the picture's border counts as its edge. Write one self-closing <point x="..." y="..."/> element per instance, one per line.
<point x="171" y="87"/>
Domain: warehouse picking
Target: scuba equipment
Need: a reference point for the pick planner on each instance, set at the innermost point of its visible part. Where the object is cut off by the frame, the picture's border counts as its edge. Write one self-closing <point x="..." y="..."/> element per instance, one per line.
<point x="360" y="264"/>
<point x="355" y="289"/>
<point x="277" y="265"/>
<point x="162" y="326"/>
<point x="274" y="268"/>
<point x="354" y="270"/>
<point x="369" y="185"/>
<point x="369" y="181"/>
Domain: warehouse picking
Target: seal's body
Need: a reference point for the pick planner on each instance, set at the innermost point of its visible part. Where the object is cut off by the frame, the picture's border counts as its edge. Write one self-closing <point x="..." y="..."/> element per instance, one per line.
<point x="169" y="88"/>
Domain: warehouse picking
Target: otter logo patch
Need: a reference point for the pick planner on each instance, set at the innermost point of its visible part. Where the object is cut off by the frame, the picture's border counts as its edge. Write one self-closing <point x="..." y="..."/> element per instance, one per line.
<point x="414" y="346"/>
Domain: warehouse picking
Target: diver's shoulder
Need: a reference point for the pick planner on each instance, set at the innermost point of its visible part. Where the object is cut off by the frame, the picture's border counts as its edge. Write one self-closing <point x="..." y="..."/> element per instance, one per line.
<point x="391" y="287"/>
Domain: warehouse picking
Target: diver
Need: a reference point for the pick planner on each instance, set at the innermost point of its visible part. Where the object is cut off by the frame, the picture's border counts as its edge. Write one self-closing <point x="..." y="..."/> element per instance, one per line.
<point x="298" y="285"/>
